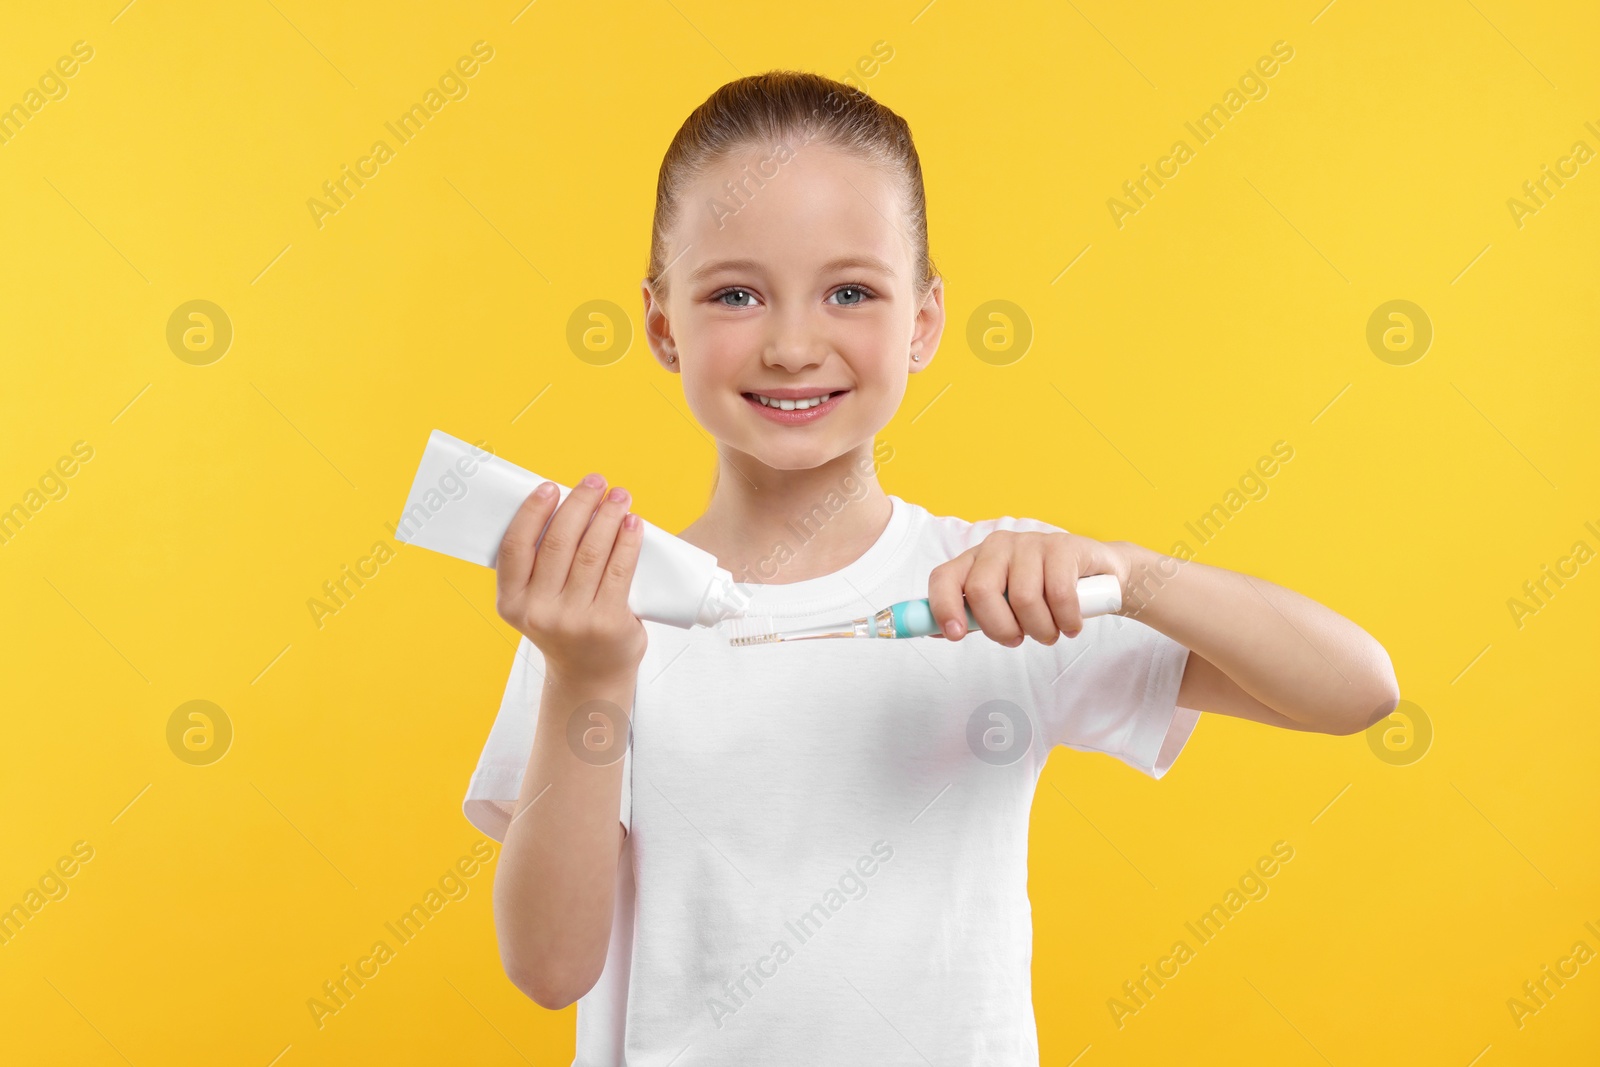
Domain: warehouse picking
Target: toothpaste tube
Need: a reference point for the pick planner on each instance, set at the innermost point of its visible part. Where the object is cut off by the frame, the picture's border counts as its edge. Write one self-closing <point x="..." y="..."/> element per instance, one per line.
<point x="463" y="499"/>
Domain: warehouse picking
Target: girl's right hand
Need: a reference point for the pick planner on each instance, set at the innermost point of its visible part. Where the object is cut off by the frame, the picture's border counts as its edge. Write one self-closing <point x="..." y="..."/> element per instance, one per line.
<point x="569" y="596"/>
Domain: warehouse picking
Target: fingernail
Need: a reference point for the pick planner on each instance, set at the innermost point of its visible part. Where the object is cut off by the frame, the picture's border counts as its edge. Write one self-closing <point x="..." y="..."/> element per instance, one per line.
<point x="618" y="495"/>
<point x="630" y="521"/>
<point x="545" y="490"/>
<point x="593" y="481"/>
<point x="952" y="629"/>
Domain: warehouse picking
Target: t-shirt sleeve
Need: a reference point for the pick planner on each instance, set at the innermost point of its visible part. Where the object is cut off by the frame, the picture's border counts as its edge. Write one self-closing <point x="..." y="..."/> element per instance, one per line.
<point x="493" y="788"/>
<point x="1113" y="689"/>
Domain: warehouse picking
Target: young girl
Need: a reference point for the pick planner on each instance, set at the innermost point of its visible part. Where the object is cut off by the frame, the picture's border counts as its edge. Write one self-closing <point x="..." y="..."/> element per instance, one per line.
<point x="821" y="856"/>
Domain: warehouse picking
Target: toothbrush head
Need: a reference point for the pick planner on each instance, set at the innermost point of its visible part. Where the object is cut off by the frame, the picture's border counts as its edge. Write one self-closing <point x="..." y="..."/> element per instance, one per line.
<point x="751" y="630"/>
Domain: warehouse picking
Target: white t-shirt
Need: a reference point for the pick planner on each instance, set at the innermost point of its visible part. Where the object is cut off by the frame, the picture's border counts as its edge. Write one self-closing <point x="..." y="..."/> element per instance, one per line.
<point x="827" y="855"/>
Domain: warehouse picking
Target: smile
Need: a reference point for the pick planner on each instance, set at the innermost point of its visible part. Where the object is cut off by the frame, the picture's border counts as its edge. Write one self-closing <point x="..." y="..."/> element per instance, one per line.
<point x="797" y="409"/>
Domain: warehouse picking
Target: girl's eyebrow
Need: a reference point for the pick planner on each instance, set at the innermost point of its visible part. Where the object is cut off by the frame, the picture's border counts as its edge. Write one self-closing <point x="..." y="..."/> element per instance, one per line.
<point x="863" y="262"/>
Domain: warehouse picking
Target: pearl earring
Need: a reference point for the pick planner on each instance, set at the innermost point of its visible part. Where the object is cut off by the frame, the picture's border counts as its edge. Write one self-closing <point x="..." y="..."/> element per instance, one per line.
<point x="915" y="357"/>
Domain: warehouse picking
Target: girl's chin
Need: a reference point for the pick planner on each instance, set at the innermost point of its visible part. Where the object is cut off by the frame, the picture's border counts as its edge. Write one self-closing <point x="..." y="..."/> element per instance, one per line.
<point x="796" y="456"/>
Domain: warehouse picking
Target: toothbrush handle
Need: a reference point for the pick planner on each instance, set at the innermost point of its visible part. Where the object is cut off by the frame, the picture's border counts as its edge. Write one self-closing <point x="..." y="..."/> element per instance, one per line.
<point x="1098" y="594"/>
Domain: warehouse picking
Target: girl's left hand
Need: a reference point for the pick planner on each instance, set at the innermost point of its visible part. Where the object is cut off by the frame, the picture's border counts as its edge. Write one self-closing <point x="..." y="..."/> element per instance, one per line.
<point x="1039" y="574"/>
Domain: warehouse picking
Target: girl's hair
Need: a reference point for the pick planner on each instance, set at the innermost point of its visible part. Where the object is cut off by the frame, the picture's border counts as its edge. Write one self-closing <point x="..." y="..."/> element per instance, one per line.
<point x="787" y="108"/>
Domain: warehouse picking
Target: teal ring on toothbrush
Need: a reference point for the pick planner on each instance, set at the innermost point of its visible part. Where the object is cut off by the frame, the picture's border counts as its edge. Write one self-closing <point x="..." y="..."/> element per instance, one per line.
<point x="914" y="618"/>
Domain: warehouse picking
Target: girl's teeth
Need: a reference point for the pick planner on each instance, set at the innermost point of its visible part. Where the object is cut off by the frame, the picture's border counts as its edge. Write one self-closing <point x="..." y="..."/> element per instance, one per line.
<point x="792" y="405"/>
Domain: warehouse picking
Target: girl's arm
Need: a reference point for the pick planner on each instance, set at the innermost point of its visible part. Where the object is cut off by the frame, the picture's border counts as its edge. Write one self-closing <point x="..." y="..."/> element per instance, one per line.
<point x="568" y="594"/>
<point x="555" y="885"/>
<point x="1260" y="651"/>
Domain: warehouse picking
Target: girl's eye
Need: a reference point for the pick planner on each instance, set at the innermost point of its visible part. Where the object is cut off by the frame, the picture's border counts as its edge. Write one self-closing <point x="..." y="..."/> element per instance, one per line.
<point x="852" y="295"/>
<point x="720" y="297"/>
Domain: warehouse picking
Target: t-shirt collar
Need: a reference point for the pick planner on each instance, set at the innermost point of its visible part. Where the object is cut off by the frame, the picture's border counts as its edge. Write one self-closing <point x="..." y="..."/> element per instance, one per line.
<point x="845" y="589"/>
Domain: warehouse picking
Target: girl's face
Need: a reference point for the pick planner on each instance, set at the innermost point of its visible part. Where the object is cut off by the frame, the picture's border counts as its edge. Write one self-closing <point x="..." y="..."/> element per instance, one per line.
<point x="799" y="286"/>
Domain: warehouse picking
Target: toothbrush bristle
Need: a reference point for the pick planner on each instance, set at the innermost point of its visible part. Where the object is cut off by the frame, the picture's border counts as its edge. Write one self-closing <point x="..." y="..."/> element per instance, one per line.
<point x="752" y="630"/>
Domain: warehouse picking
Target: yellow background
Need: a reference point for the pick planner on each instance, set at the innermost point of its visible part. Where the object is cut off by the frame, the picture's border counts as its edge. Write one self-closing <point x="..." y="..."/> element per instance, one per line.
<point x="1228" y="314"/>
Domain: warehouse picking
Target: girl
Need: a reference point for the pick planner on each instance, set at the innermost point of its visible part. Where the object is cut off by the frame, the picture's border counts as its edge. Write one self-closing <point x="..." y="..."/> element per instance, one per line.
<point x="821" y="855"/>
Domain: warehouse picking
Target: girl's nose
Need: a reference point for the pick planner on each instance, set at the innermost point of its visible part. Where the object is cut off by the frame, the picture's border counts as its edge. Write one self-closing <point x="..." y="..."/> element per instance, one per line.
<point x="794" y="344"/>
<point x="793" y="357"/>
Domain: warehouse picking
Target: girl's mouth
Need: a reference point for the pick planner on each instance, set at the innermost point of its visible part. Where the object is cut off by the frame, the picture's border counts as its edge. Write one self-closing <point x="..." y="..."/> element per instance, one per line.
<point x="774" y="409"/>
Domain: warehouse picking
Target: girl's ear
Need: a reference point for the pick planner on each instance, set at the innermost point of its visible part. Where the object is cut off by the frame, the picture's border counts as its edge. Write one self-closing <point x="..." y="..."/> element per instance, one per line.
<point x="657" y="330"/>
<point x="928" y="326"/>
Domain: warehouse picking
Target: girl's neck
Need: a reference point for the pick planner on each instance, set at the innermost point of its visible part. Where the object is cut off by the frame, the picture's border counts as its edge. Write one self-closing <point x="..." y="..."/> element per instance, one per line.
<point x="774" y="527"/>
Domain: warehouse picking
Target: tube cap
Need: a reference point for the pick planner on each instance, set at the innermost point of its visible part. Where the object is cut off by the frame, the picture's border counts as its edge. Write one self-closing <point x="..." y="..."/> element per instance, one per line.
<point x="724" y="599"/>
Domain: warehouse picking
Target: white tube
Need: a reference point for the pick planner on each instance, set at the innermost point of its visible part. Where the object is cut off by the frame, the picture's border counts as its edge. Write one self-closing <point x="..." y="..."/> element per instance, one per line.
<point x="464" y="498"/>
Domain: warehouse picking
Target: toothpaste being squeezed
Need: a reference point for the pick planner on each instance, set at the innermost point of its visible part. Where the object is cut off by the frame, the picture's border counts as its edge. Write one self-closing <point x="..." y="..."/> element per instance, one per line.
<point x="464" y="498"/>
